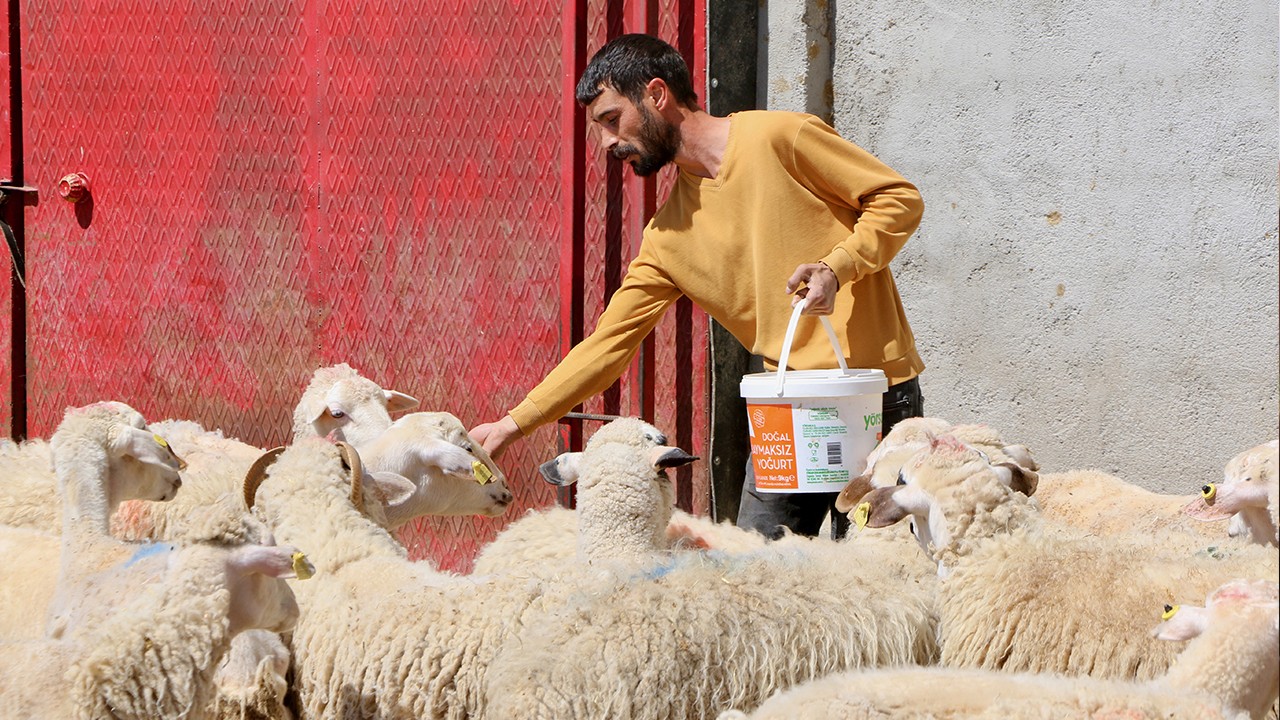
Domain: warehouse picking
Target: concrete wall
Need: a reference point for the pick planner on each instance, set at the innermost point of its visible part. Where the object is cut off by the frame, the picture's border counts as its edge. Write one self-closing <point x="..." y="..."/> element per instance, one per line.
<point x="1096" y="272"/>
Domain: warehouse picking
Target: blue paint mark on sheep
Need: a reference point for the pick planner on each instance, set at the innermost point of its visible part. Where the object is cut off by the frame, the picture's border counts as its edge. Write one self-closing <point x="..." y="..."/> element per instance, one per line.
<point x="149" y="550"/>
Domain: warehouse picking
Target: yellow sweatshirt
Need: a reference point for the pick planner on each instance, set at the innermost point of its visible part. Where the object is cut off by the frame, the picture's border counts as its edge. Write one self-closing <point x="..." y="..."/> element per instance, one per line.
<point x="789" y="191"/>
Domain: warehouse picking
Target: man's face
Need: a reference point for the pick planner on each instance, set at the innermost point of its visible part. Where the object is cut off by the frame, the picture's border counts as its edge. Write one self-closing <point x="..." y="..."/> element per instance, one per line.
<point x="632" y="133"/>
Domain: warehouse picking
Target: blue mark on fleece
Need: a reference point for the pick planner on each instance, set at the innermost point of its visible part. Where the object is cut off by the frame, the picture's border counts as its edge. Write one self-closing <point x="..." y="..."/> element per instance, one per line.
<point x="148" y="550"/>
<point x="704" y="558"/>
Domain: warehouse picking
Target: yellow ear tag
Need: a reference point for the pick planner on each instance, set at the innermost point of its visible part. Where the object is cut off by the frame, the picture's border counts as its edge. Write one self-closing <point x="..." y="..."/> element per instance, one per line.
<point x="302" y="567"/>
<point x="861" y="514"/>
<point x="1209" y="492"/>
<point x="483" y="474"/>
<point x="160" y="441"/>
<point x="1170" y="611"/>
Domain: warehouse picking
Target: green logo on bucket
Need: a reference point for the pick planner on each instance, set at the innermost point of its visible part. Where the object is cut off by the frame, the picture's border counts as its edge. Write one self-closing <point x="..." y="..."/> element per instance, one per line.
<point x="873" y="419"/>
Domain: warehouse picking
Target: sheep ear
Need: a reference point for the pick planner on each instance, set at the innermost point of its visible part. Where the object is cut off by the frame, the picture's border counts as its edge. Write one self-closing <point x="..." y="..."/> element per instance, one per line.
<point x="398" y="401"/>
<point x="1182" y="623"/>
<point x="562" y="471"/>
<point x="853" y="492"/>
<point x="882" y="507"/>
<point x="669" y="457"/>
<point x="146" y="447"/>
<point x="1018" y="478"/>
<point x="443" y="455"/>
<point x="277" y="562"/>
<point x="395" y="488"/>
<point x="1203" y="511"/>
<point x="1021" y="455"/>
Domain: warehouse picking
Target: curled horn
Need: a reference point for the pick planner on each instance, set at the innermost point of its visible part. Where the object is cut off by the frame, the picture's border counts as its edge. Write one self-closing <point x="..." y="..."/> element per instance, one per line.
<point x="257" y="473"/>
<point x="351" y="461"/>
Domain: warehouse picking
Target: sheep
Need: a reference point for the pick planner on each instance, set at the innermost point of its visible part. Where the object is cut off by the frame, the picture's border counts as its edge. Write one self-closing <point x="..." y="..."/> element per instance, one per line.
<point x="342" y="404"/>
<point x="1005" y="572"/>
<point x="337" y="400"/>
<point x="154" y="654"/>
<point x="669" y="639"/>
<point x="132" y="459"/>
<point x="452" y="474"/>
<point x="27" y="487"/>
<point x="1090" y="500"/>
<point x="1250" y="490"/>
<point x="552" y="534"/>
<point x="378" y="634"/>
<point x="102" y="455"/>
<point x="374" y="665"/>
<point x="1228" y="670"/>
<point x="549" y="534"/>
<point x="624" y="497"/>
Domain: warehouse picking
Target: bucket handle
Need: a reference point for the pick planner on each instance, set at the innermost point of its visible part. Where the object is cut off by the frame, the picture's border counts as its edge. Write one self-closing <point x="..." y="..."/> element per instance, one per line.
<point x="791" y="334"/>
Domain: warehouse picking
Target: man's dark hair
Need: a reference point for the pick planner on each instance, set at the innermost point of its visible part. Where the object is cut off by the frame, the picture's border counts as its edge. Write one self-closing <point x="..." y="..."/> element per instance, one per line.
<point x="628" y="62"/>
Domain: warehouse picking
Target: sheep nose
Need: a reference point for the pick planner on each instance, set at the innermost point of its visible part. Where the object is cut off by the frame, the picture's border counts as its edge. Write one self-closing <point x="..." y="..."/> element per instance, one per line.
<point x="177" y="483"/>
<point x="505" y="497"/>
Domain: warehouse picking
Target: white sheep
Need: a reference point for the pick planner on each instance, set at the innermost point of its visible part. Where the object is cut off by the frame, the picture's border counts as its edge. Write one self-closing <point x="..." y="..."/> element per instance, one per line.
<point x="1228" y="670"/>
<point x="27" y="486"/>
<point x="153" y="655"/>
<point x="452" y="474"/>
<point x="102" y="455"/>
<point x="1250" y="490"/>
<point x="378" y="635"/>
<point x="134" y="462"/>
<point x="552" y="534"/>
<point x="694" y="631"/>
<point x="368" y="662"/>
<point x="341" y="404"/>
<point x="1006" y="573"/>
<point x="1089" y="500"/>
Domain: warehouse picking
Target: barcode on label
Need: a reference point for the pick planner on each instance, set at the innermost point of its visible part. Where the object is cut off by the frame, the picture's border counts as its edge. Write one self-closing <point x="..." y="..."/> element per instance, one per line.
<point x="833" y="453"/>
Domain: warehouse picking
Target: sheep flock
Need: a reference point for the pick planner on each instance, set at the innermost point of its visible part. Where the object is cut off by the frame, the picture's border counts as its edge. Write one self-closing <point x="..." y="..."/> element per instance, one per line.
<point x="163" y="570"/>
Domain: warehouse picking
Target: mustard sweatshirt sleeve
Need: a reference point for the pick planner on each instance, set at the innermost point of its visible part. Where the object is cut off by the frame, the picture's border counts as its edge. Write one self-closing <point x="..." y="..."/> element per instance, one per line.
<point x="889" y="207"/>
<point x="601" y="358"/>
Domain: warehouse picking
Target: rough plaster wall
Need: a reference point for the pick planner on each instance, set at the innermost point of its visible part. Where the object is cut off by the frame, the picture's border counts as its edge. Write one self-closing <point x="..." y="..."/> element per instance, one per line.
<point x="1096" y="272"/>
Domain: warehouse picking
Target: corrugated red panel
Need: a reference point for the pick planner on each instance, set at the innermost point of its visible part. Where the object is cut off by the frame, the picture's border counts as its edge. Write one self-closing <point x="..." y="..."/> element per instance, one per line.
<point x="278" y="186"/>
<point x="6" y="271"/>
<point x="616" y="215"/>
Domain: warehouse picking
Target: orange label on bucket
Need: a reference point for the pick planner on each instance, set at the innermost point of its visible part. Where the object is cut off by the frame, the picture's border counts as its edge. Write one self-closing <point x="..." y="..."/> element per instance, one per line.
<point x="773" y="449"/>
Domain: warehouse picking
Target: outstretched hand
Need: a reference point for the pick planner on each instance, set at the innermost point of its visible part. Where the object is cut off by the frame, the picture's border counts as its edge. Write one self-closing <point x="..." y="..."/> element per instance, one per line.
<point x="820" y="286"/>
<point x="496" y="436"/>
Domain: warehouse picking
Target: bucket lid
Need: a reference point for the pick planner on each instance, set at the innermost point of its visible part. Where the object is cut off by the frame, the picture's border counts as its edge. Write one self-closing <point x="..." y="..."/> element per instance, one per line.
<point x="814" y="384"/>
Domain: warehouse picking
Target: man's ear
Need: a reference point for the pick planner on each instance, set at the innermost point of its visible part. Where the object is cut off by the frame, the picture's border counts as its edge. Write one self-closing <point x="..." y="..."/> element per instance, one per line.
<point x="658" y="92"/>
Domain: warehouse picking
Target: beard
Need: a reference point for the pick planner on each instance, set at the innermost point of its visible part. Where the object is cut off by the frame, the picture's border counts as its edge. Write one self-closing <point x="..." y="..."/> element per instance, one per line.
<point x="657" y="145"/>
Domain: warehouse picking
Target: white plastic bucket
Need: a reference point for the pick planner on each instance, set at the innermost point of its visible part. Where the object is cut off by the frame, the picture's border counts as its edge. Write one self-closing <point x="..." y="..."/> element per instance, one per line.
<point x="811" y="430"/>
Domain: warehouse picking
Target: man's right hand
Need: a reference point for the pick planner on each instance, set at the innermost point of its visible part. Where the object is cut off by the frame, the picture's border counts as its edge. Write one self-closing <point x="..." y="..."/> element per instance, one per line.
<point x="496" y="436"/>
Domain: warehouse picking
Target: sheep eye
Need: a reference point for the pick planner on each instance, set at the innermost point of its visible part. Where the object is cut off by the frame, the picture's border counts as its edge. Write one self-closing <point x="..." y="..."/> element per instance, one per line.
<point x="901" y="480"/>
<point x="336" y="414"/>
<point x="468" y="447"/>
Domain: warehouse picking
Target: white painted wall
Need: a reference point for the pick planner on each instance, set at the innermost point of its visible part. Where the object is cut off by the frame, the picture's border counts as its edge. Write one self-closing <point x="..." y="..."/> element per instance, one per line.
<point x="1096" y="272"/>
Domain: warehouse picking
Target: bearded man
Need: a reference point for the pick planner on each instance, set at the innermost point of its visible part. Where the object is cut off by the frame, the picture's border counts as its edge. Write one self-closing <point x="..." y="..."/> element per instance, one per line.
<point x="767" y="204"/>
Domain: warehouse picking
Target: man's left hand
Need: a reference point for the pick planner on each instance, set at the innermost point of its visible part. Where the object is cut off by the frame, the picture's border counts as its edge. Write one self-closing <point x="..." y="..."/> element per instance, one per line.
<point x="820" y="285"/>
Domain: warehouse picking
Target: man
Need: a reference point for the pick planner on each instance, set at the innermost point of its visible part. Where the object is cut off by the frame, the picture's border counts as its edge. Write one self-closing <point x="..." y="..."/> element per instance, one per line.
<point x="767" y="204"/>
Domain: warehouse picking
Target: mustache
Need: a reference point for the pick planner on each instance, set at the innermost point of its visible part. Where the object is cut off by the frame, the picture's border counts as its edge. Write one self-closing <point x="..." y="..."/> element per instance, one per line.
<point x="622" y="152"/>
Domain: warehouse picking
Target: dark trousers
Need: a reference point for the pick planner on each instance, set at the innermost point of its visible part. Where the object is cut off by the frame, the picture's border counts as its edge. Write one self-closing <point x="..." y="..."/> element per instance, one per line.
<point x="804" y="513"/>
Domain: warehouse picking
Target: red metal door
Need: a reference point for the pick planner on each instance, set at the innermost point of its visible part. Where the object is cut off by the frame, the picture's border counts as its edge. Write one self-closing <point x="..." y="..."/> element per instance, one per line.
<point x="281" y="186"/>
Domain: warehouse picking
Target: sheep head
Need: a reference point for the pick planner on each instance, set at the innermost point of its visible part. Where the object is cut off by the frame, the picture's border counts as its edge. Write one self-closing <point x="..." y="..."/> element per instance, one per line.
<point x="952" y="493"/>
<point x="451" y="474"/>
<point x="1249" y="480"/>
<point x="342" y="404"/>
<point x="103" y="454"/>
